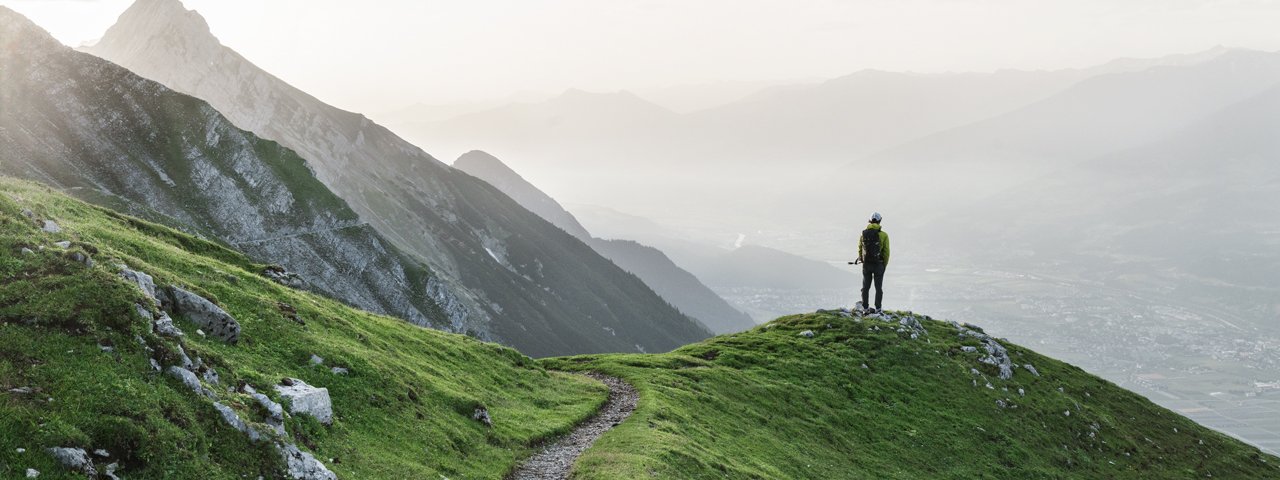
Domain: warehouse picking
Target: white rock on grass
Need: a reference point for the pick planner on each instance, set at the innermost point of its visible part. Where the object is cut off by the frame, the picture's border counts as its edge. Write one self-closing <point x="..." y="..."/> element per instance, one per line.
<point x="229" y="416"/>
<point x="74" y="458"/>
<point x="63" y="244"/>
<point x="202" y="312"/>
<point x="142" y="280"/>
<point x="302" y="465"/>
<point x="190" y="380"/>
<point x="51" y="226"/>
<point x="306" y="399"/>
<point x="316" y="359"/>
<point x="32" y="473"/>
<point x="807" y="334"/>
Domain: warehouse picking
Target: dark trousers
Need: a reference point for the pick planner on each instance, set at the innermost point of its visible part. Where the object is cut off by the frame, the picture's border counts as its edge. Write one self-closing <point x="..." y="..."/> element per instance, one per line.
<point x="872" y="272"/>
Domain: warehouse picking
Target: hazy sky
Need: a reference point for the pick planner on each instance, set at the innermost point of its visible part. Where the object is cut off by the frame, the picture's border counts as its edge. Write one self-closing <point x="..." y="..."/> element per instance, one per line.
<point x="376" y="55"/>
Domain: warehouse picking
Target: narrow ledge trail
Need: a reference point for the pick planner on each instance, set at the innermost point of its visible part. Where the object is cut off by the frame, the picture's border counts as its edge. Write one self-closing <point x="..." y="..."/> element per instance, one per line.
<point x="556" y="460"/>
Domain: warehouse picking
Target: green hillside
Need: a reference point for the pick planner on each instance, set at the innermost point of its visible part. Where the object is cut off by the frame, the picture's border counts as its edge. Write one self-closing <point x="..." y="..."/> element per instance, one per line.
<point x="772" y="403"/>
<point x="900" y="396"/>
<point x="72" y="340"/>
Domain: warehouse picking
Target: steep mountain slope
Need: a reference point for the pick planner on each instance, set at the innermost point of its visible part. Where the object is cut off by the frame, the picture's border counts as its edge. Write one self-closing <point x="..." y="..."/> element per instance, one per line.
<point x="831" y="395"/>
<point x="89" y="127"/>
<point x="78" y="338"/>
<point x="490" y="169"/>
<point x="534" y="286"/>
<point x="679" y="287"/>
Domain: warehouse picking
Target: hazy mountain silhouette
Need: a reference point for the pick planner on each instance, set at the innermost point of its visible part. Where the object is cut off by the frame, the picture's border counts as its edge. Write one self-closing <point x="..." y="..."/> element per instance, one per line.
<point x="679" y="287"/>
<point x="537" y="288"/>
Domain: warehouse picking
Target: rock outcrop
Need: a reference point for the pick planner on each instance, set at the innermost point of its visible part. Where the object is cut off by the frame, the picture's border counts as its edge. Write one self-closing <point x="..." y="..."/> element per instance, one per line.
<point x="199" y="310"/>
<point x="307" y="400"/>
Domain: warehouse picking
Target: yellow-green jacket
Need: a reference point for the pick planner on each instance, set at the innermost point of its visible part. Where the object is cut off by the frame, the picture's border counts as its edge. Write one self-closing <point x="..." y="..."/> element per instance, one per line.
<point x="884" y="243"/>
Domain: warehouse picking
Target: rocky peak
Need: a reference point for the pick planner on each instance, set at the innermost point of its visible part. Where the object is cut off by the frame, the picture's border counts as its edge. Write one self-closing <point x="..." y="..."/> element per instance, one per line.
<point x="166" y="21"/>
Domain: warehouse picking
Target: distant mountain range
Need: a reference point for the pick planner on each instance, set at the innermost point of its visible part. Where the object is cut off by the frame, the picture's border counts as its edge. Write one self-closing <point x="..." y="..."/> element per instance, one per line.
<point x="496" y="270"/>
<point x="757" y="149"/>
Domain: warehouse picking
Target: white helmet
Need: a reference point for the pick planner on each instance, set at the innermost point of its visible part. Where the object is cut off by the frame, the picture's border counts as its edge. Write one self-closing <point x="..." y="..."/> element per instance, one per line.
<point x="875" y="217"/>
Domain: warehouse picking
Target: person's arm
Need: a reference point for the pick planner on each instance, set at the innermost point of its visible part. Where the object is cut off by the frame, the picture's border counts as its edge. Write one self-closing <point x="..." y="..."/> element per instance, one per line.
<point x="884" y="249"/>
<point x="859" y="248"/>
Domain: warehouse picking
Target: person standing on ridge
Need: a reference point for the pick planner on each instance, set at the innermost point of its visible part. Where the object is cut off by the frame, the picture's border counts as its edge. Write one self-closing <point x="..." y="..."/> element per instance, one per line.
<point x="873" y="252"/>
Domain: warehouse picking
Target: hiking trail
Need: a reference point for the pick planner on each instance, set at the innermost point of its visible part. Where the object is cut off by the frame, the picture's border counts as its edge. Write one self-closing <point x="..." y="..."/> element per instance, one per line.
<point x="555" y="461"/>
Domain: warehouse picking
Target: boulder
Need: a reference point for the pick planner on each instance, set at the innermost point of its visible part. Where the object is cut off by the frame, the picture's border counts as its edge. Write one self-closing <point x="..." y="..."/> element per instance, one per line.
<point x="231" y="418"/>
<point x="83" y="258"/>
<point x="51" y="226"/>
<point x="202" y="312"/>
<point x="1031" y="369"/>
<point x="482" y="414"/>
<point x="27" y="251"/>
<point x="316" y="359"/>
<point x="302" y="465"/>
<point x="32" y="473"/>
<point x="142" y="280"/>
<point x="807" y="334"/>
<point x="190" y="380"/>
<point x="338" y="371"/>
<point x="306" y="399"/>
<point x="74" y="458"/>
<point x="284" y="277"/>
<point x="275" y="412"/>
<point x="63" y="244"/>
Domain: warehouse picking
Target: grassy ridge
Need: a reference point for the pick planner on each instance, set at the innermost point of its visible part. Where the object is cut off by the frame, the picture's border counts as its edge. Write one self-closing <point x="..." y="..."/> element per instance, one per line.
<point x="403" y="411"/>
<point x="769" y="403"/>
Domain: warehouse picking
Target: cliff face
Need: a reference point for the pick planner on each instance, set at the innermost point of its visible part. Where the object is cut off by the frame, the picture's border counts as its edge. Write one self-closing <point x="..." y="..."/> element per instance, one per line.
<point x="89" y="127"/>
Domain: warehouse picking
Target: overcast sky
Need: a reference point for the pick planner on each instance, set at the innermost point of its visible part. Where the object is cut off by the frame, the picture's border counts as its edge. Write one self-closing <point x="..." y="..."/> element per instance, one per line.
<point x="376" y="55"/>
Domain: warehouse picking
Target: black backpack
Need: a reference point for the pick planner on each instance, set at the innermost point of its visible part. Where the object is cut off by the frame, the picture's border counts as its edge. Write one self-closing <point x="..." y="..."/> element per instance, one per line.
<point x="871" y="251"/>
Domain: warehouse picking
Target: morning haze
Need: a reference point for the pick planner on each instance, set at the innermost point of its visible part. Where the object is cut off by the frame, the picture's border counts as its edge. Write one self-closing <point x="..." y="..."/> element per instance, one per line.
<point x="1092" y="181"/>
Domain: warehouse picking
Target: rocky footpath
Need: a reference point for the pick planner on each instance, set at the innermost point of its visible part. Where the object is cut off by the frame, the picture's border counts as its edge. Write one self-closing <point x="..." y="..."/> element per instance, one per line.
<point x="555" y="461"/>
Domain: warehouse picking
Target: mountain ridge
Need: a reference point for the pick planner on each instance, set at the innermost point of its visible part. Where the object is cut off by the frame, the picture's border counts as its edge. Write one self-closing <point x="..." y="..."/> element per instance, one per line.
<point x="505" y="268"/>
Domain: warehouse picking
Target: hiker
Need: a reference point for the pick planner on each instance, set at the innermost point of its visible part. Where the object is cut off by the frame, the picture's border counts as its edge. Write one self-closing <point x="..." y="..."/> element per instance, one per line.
<point x="873" y="252"/>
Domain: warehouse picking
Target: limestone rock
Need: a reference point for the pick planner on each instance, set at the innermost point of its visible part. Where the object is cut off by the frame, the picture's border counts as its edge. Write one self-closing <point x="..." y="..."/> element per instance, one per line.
<point x="202" y="312"/>
<point x="142" y="280"/>
<point x="302" y="465"/>
<point x="306" y="399"/>
<point x="230" y="416"/>
<point x="63" y="244"/>
<point x="51" y="226"/>
<point x="32" y="473"/>
<point x="83" y="258"/>
<point x="74" y="458"/>
<point x="190" y="380"/>
<point x="284" y="277"/>
<point x="807" y="334"/>
<point x="482" y="414"/>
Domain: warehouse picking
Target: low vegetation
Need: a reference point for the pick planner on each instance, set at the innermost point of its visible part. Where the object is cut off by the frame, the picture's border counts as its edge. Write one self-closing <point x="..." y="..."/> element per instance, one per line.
<point x="75" y="367"/>
<point x="862" y="398"/>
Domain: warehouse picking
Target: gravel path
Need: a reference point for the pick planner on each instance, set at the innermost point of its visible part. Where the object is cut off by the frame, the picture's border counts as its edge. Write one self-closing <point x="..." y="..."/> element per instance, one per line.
<point x="556" y="459"/>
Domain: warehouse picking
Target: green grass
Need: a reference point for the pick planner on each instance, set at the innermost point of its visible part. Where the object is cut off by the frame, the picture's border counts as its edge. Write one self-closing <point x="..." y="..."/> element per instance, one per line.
<point x="403" y="411"/>
<point x="764" y="404"/>
<point x="768" y="404"/>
